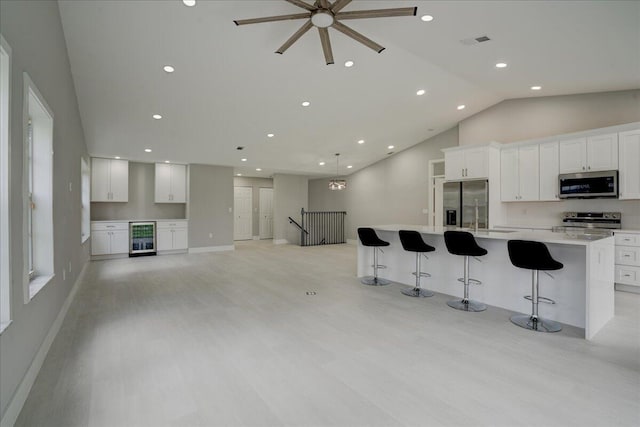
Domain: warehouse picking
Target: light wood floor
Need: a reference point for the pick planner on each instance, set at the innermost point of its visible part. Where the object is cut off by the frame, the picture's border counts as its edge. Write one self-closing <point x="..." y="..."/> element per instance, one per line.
<point x="229" y="339"/>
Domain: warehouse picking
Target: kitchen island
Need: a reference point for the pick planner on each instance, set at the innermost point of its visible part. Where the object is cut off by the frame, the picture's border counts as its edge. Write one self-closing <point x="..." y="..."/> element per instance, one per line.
<point x="583" y="289"/>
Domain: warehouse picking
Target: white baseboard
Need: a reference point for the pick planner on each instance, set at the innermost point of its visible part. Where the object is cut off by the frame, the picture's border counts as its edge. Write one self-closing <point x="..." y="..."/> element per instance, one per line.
<point x="256" y="237"/>
<point x="627" y="288"/>
<point x="211" y="249"/>
<point x="280" y="241"/>
<point x="352" y="241"/>
<point x="17" y="402"/>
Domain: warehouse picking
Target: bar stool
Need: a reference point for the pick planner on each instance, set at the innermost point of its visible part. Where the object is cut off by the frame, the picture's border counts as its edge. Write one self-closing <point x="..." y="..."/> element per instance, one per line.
<point x="412" y="242"/>
<point x="533" y="256"/>
<point x="464" y="244"/>
<point x="368" y="237"/>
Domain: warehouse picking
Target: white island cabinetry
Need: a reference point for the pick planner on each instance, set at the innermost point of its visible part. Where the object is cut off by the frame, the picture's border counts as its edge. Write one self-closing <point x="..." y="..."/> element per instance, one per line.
<point x="628" y="258"/>
<point x="109" y="238"/>
<point x="172" y="235"/>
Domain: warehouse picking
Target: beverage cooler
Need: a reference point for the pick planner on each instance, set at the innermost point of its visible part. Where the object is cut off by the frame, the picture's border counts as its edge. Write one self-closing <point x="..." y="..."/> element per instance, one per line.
<point x="142" y="238"/>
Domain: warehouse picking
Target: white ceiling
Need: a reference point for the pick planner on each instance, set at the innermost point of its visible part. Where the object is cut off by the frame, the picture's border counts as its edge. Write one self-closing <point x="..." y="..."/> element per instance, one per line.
<point x="230" y="89"/>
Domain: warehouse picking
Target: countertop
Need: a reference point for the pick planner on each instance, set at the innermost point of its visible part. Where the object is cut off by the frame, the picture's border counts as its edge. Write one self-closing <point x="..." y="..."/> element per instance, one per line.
<point x="138" y="220"/>
<point x="539" y="236"/>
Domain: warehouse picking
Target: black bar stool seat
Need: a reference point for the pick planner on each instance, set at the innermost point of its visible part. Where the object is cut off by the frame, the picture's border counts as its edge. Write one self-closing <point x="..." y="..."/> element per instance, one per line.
<point x="464" y="244"/>
<point x="412" y="242"/>
<point x="368" y="237"/>
<point x="533" y="256"/>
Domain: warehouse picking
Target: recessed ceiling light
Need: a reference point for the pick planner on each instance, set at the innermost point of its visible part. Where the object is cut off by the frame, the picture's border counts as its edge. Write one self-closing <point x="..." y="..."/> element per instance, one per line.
<point x="349" y="167"/>
<point x="348" y="64"/>
<point x="244" y="160"/>
<point x="168" y="68"/>
<point x="427" y="18"/>
<point x="270" y="135"/>
<point x="461" y="107"/>
<point x="420" y="92"/>
<point x="117" y="157"/>
<point x="321" y="163"/>
<point x="361" y="141"/>
<point x="148" y="150"/>
<point x="306" y="103"/>
<point x="536" y="87"/>
<point x="391" y="147"/>
<point x="157" y="116"/>
<point x="258" y="169"/>
<point x="238" y="174"/>
<point x="189" y="2"/>
<point x="167" y="161"/>
<point x="501" y="65"/>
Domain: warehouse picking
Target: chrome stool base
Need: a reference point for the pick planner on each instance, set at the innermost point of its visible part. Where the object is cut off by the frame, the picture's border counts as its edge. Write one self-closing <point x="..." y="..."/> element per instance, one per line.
<point x="469" y="305"/>
<point x="417" y="293"/>
<point x="375" y="281"/>
<point x="541" y="325"/>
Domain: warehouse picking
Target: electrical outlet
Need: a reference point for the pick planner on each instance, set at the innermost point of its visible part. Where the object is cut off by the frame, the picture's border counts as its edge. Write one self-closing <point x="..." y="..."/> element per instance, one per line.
<point x="70" y="186"/>
<point x="69" y="266"/>
<point x="64" y="274"/>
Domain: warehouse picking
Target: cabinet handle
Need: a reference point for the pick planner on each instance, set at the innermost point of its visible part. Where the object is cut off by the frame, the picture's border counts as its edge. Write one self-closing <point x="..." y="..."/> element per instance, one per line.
<point x="583" y="168"/>
<point x="589" y="167"/>
<point x="462" y="172"/>
<point x="626" y="275"/>
<point x="627" y="256"/>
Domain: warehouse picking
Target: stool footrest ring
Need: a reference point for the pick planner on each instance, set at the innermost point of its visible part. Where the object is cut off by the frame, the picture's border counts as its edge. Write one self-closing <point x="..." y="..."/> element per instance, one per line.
<point x="471" y="281"/>
<point x="379" y="266"/>
<point x="422" y="274"/>
<point x="541" y="299"/>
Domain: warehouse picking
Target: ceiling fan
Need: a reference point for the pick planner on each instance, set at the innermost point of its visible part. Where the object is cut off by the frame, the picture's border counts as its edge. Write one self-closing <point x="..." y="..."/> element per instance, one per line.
<point x="323" y="14"/>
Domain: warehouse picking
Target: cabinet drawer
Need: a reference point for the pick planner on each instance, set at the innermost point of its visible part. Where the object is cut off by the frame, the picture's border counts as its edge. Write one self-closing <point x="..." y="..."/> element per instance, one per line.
<point x="628" y="255"/>
<point x="172" y="224"/>
<point x="624" y="239"/>
<point x="628" y="275"/>
<point x="109" y="226"/>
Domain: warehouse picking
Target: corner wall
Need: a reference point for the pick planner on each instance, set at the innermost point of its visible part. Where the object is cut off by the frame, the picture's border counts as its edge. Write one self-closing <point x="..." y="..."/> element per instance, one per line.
<point x="40" y="51"/>
<point x="290" y="194"/>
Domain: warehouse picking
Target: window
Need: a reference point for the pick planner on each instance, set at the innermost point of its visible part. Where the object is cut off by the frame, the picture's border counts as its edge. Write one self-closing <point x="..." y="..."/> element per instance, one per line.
<point x="85" y="185"/>
<point x="5" y="276"/>
<point x="38" y="190"/>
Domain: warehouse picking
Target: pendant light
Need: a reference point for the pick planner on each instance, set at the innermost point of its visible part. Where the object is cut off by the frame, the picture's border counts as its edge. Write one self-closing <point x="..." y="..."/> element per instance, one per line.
<point x="337" y="184"/>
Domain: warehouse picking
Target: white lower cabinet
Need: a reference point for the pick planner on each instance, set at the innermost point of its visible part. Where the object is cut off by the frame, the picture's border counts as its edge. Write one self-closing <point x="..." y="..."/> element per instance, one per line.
<point x="627" y="269"/>
<point x="172" y="235"/>
<point x="109" y="238"/>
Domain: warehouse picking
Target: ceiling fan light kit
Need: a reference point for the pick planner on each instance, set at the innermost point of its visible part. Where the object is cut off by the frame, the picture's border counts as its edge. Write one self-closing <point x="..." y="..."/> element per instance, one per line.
<point x="323" y="15"/>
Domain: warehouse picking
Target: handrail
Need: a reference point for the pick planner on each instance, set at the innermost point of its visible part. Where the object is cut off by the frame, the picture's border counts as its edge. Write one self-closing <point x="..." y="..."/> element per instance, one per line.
<point x="293" y="221"/>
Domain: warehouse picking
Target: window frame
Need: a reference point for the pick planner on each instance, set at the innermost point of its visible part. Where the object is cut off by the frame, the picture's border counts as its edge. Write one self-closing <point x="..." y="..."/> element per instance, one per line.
<point x="5" y="185"/>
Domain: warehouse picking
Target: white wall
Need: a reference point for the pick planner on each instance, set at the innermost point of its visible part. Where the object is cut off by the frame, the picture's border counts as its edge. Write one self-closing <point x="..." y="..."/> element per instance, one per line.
<point x="34" y="32"/>
<point x="290" y="194"/>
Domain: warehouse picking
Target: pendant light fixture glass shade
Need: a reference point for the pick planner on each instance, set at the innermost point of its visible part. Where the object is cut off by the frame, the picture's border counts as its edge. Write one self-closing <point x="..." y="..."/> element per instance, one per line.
<point x="337" y="184"/>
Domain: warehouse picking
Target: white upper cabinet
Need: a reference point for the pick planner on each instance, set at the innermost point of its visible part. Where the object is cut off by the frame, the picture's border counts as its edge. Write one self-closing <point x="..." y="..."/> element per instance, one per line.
<point x="519" y="174"/>
<point x="109" y="180"/>
<point x="170" y="183"/>
<point x="470" y="163"/>
<point x="549" y="170"/>
<point x="629" y="176"/>
<point x="588" y="154"/>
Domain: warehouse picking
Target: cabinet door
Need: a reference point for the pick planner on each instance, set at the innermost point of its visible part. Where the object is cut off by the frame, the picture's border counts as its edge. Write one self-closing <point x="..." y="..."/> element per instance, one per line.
<point x="476" y="163"/>
<point x="100" y="191"/>
<point x="165" y="239"/>
<point x="573" y="155"/>
<point x="630" y="165"/>
<point x="602" y="152"/>
<point x="119" y="174"/>
<point x="100" y="242"/>
<point x="549" y="169"/>
<point x="163" y="183"/>
<point x="178" y="183"/>
<point x="119" y="241"/>
<point x="528" y="173"/>
<point x="180" y="238"/>
<point x="509" y="175"/>
<point x="453" y="164"/>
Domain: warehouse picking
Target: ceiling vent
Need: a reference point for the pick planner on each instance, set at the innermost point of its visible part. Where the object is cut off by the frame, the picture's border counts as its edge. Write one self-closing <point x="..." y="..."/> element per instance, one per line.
<point x="476" y="40"/>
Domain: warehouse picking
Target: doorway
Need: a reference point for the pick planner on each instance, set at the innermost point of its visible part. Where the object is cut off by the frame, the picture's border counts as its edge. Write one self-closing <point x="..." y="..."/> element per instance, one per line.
<point x="266" y="213"/>
<point x="242" y="207"/>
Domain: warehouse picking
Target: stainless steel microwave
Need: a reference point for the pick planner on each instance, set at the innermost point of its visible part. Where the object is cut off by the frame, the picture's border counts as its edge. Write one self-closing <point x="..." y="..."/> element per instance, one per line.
<point x="589" y="185"/>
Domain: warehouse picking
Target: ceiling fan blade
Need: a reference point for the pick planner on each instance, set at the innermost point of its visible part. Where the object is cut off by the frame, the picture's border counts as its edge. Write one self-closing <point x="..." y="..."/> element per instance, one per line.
<point x="306" y="27"/>
<point x="273" y="18"/>
<point x="326" y="45"/>
<point x="302" y="4"/>
<point x="357" y="36"/>
<point x="378" y="13"/>
<point x="339" y="5"/>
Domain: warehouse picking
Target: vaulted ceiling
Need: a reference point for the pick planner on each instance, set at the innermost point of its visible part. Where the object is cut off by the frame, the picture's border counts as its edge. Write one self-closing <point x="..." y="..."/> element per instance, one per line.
<point x="229" y="89"/>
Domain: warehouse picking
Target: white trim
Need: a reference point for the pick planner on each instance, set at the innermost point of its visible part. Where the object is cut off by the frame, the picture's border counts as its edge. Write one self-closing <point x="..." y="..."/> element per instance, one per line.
<point x="5" y="186"/>
<point x="22" y="392"/>
<point x="352" y="242"/>
<point x="256" y="237"/>
<point x="37" y="283"/>
<point x="280" y="241"/>
<point x="211" y="249"/>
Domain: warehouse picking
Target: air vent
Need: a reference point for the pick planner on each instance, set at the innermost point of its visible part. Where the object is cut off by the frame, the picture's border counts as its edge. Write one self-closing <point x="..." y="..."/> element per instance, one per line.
<point x="475" y="40"/>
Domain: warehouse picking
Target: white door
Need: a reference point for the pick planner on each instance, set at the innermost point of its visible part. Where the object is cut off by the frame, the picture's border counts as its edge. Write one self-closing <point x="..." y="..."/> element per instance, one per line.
<point x="266" y="213"/>
<point x="242" y="213"/>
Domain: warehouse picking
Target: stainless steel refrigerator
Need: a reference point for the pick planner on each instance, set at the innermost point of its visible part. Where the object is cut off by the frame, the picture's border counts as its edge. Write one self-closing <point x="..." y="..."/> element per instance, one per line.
<point x="459" y="200"/>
